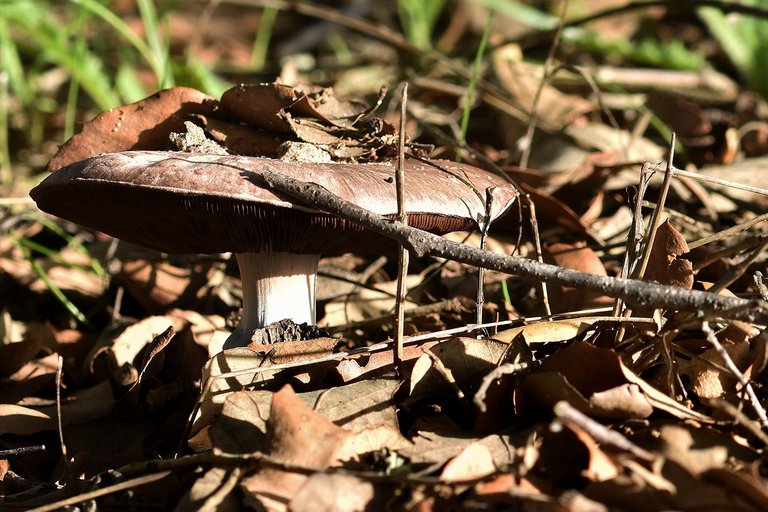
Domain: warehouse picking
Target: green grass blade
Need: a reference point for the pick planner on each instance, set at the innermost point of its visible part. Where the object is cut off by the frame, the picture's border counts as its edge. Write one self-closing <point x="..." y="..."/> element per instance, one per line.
<point x="157" y="43"/>
<point x="470" y="96"/>
<point x="263" y="36"/>
<point x="55" y="290"/>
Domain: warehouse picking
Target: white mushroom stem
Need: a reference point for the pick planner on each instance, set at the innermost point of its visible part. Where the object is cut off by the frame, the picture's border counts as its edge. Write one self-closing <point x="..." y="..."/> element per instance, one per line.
<point x="276" y="286"/>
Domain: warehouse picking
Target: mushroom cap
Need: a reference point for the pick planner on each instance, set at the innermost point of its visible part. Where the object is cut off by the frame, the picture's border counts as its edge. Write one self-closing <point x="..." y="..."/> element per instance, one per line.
<point x="193" y="203"/>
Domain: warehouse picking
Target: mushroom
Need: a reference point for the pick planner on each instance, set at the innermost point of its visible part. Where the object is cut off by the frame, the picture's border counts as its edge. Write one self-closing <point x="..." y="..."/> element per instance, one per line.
<point x="192" y="203"/>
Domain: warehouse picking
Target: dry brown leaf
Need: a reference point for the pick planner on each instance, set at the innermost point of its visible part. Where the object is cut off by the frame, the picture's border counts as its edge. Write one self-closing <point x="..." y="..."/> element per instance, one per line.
<point x="158" y="285"/>
<point x="523" y="82"/>
<point x="203" y="491"/>
<point x="260" y="104"/>
<point x="601" y="467"/>
<point x="351" y="369"/>
<point x="30" y="416"/>
<point x="473" y="462"/>
<point x="618" y="402"/>
<point x="661" y="401"/>
<point x="241" y="139"/>
<point x="30" y="379"/>
<point x="291" y="424"/>
<point x="551" y="213"/>
<point x="665" y="266"/>
<point x="16" y="354"/>
<point x="577" y="257"/>
<point x="333" y="493"/>
<point x="545" y="332"/>
<point x="364" y="408"/>
<point x="24" y="421"/>
<point x="73" y="277"/>
<point x="145" y="124"/>
<point x="435" y="440"/>
<point x="463" y="357"/>
<point x="128" y="344"/>
<point x="709" y="381"/>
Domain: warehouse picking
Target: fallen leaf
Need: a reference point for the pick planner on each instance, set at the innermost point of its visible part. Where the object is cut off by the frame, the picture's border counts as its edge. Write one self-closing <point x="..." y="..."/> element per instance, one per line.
<point x="665" y="266"/>
<point x="291" y="424"/>
<point x="333" y="493"/>
<point x="473" y="462"/>
<point x="145" y="124"/>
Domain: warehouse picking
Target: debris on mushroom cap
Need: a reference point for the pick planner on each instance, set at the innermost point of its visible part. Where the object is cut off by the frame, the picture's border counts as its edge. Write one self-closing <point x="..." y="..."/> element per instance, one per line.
<point x="181" y="202"/>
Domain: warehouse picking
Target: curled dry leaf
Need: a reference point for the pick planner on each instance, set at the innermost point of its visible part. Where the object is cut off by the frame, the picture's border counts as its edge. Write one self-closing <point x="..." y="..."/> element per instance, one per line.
<point x="463" y="357"/>
<point x="577" y="257"/>
<point x="523" y="81"/>
<point x="473" y="462"/>
<point x="158" y="285"/>
<point x="253" y="366"/>
<point x="291" y="423"/>
<point x="364" y="408"/>
<point x="145" y="124"/>
<point x="708" y="380"/>
<point x="665" y="265"/>
<point x="86" y="405"/>
<point x="591" y="379"/>
<point x="601" y="466"/>
<point x="333" y="493"/>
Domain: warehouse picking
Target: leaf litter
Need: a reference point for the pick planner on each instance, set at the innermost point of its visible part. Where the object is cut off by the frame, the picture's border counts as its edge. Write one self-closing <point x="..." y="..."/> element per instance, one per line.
<point x="594" y="407"/>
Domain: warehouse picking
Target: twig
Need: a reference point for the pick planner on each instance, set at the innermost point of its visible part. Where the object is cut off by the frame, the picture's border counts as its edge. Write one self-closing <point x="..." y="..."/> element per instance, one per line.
<point x="528" y="142"/>
<point x="446" y="373"/>
<point x="720" y="235"/>
<point x="215" y="499"/>
<point x="744" y="381"/>
<point x="495" y="374"/>
<point x="713" y="180"/>
<point x="598" y="432"/>
<point x="656" y="218"/>
<point x="539" y="254"/>
<point x="739" y="417"/>
<point x="98" y="493"/>
<point x="59" y="424"/>
<point x="727" y="6"/>
<point x="23" y="450"/>
<point x="480" y="297"/>
<point x="736" y="272"/>
<point x="760" y="285"/>
<point x="422" y="243"/>
<point x="448" y="305"/>
<point x="402" y="217"/>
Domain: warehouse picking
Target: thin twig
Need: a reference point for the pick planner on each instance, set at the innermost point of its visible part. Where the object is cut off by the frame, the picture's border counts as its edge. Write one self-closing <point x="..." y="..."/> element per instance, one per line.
<point x="713" y="180"/>
<point x="98" y="493"/>
<point x="480" y="298"/>
<point x="402" y="217"/>
<point x="496" y="374"/>
<point x="422" y="243"/>
<point x="600" y="433"/>
<point x="656" y="217"/>
<point x="744" y="381"/>
<point x="543" y="289"/>
<point x="215" y="499"/>
<point x="59" y="424"/>
<point x="726" y="233"/>
<point x="528" y="142"/>
<point x="22" y="450"/>
<point x="737" y="271"/>
<point x="446" y="373"/>
<point x="739" y="417"/>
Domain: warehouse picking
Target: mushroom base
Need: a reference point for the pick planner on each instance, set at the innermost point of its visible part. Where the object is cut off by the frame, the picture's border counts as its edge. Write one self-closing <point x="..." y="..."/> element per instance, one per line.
<point x="276" y="285"/>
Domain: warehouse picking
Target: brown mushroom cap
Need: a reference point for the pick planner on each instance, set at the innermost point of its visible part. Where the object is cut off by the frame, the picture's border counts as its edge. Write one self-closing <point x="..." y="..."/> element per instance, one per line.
<point x="189" y="203"/>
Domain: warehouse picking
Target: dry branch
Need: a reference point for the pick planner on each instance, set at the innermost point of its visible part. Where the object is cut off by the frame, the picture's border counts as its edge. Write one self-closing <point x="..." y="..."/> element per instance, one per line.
<point x="637" y="294"/>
